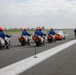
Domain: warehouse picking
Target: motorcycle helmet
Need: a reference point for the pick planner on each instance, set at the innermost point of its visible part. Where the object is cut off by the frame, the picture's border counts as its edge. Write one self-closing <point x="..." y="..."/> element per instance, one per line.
<point x="40" y="29"/>
<point x="37" y="28"/>
<point x="51" y="29"/>
<point x="25" y="28"/>
<point x="1" y="29"/>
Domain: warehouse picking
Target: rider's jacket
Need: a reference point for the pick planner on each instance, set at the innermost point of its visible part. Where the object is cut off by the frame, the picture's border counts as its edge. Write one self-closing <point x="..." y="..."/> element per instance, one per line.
<point x="52" y="32"/>
<point x="39" y="33"/>
<point x="24" y="33"/>
<point x="2" y="34"/>
<point x="36" y="32"/>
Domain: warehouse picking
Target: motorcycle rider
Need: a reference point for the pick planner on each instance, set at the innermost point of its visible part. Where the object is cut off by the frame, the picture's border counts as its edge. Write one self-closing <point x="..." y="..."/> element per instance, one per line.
<point x="36" y="32"/>
<point x="2" y="34"/>
<point x="41" y="34"/>
<point x="52" y="32"/>
<point x="25" y="34"/>
<point x="75" y="32"/>
<point x="4" y="37"/>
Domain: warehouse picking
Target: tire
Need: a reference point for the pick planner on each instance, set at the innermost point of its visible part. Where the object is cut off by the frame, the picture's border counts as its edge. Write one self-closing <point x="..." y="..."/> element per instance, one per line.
<point x="7" y="47"/>
<point x="28" y="43"/>
<point x="22" y="44"/>
<point x="37" y="44"/>
<point x="49" y="41"/>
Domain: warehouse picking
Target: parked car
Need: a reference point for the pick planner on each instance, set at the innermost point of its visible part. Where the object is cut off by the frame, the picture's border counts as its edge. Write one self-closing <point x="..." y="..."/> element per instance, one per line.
<point x="60" y="35"/>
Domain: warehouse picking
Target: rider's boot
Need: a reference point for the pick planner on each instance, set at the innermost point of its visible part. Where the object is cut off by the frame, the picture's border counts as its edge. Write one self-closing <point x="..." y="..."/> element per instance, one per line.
<point x="28" y="42"/>
<point x="43" y="41"/>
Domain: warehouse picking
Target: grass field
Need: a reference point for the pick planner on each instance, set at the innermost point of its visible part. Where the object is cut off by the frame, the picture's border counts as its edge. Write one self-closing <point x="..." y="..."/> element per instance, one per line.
<point x="12" y="31"/>
<point x="15" y="31"/>
<point x="20" y="31"/>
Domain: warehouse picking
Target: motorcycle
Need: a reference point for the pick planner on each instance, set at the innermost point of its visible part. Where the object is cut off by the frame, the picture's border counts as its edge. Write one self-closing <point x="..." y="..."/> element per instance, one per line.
<point x="23" y="40"/>
<point x="38" y="40"/>
<point x="49" y="38"/>
<point x="5" y="43"/>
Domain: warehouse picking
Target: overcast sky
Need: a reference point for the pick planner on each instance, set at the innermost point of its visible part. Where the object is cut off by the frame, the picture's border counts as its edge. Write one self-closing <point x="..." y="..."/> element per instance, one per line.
<point x="33" y="13"/>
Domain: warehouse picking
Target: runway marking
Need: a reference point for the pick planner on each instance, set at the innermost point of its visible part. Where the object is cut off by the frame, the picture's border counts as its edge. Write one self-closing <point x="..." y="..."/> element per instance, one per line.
<point x="23" y="65"/>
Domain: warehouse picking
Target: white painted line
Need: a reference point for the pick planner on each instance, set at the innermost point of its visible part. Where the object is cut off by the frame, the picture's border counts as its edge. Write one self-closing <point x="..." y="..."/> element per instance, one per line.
<point x="23" y="65"/>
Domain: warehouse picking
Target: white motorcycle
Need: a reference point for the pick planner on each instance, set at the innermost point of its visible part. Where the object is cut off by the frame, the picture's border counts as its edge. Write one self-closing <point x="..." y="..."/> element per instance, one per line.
<point x="5" y="43"/>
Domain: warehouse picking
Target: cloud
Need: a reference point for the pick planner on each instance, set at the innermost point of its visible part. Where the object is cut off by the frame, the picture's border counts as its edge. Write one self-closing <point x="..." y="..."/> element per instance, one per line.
<point x="32" y="13"/>
<point x="36" y="7"/>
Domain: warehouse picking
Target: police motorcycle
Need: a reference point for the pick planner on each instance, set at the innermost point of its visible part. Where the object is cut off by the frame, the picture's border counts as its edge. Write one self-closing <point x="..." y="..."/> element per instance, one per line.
<point x="39" y="40"/>
<point x="5" y="43"/>
<point x="49" y="38"/>
<point x="24" y="40"/>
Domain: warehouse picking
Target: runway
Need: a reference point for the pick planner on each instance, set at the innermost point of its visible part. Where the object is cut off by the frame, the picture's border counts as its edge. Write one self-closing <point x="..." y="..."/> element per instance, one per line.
<point x="17" y="52"/>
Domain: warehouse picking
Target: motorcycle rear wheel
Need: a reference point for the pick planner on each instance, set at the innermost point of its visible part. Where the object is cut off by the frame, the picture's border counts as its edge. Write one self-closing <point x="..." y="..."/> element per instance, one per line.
<point x="37" y="44"/>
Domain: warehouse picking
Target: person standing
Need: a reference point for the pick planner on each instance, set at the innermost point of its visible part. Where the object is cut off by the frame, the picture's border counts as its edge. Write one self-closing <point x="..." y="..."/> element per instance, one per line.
<point x="75" y="32"/>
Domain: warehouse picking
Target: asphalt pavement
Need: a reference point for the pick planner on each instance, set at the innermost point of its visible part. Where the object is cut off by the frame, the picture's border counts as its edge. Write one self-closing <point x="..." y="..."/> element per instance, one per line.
<point x="63" y="63"/>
